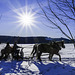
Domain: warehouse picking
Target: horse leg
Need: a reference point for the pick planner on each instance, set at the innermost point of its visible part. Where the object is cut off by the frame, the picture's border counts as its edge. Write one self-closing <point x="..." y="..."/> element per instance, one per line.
<point x="12" y="53"/>
<point x="50" y="57"/>
<point x="33" y="52"/>
<point x="38" y="56"/>
<point x="59" y="56"/>
<point x="6" y="56"/>
<point x="17" y="55"/>
<point x="2" y="54"/>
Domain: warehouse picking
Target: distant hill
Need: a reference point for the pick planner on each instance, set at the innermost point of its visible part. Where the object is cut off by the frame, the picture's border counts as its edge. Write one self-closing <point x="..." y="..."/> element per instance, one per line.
<point x="30" y="40"/>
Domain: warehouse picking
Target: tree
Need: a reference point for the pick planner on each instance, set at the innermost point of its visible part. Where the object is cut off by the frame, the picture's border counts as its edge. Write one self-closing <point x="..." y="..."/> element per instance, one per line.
<point x="59" y="12"/>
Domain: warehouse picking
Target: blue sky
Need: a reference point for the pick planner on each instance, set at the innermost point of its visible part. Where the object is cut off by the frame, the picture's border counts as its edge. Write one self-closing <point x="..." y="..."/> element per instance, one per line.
<point x="9" y="25"/>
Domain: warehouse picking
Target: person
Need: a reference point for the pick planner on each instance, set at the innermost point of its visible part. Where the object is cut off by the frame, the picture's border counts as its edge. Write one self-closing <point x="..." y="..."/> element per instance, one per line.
<point x="7" y="45"/>
<point x="16" y="51"/>
<point x="6" y="50"/>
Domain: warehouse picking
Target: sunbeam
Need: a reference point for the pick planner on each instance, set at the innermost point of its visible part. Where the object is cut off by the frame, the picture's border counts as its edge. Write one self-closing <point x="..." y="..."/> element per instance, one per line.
<point x="25" y="17"/>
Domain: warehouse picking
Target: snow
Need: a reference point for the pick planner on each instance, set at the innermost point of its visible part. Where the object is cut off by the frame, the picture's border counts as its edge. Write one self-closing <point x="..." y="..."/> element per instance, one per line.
<point x="26" y="67"/>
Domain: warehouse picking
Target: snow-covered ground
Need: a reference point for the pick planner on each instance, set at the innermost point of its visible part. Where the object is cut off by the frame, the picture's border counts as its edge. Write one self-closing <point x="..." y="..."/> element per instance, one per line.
<point x="46" y="67"/>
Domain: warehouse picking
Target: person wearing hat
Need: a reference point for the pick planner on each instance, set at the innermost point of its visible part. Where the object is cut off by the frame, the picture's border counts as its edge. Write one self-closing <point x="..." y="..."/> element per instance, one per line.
<point x="7" y="48"/>
<point x="16" y="51"/>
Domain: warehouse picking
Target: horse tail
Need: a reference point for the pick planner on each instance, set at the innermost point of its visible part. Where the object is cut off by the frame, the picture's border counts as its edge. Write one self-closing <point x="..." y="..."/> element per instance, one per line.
<point x="34" y="50"/>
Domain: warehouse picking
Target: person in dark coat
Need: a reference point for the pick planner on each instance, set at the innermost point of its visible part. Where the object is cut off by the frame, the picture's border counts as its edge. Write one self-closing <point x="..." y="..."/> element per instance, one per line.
<point x="16" y="51"/>
<point x="6" y="50"/>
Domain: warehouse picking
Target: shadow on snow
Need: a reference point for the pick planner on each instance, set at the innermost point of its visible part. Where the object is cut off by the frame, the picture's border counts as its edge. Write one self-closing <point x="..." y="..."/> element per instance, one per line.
<point x="13" y="67"/>
<point x="52" y="68"/>
<point x="55" y="68"/>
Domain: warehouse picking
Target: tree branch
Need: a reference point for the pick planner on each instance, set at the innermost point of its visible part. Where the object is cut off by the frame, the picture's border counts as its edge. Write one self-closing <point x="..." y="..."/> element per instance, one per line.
<point x="52" y="21"/>
<point x="60" y="19"/>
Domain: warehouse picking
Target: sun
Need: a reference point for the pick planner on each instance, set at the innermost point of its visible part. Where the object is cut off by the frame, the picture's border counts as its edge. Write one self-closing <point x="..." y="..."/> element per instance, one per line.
<point x="26" y="18"/>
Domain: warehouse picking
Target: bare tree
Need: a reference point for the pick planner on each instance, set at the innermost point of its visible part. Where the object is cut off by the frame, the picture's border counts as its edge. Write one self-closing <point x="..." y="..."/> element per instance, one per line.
<point x="59" y="13"/>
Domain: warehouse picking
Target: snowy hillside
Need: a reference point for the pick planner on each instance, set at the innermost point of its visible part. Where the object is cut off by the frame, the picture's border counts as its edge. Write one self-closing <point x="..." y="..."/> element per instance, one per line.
<point x="46" y="67"/>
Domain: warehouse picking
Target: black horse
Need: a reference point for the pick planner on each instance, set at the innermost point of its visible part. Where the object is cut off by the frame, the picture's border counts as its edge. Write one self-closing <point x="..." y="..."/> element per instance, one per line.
<point x="15" y="55"/>
<point x="5" y="53"/>
<point x="51" y="48"/>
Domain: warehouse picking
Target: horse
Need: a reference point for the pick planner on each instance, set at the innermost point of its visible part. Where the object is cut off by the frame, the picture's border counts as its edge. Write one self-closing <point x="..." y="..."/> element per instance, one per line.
<point x="15" y="54"/>
<point x="5" y="52"/>
<point x="51" y="48"/>
<point x="18" y="54"/>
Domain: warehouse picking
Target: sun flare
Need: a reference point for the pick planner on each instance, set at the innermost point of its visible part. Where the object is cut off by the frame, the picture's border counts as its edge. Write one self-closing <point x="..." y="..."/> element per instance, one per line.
<point x="26" y="18"/>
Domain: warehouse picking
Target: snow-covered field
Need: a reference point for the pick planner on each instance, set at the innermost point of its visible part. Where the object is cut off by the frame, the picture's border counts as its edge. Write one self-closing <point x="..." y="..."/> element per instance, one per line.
<point x="46" y="67"/>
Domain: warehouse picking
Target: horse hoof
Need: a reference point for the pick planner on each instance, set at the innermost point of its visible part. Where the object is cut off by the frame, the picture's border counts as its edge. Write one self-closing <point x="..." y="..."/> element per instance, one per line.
<point x="51" y="60"/>
<point x="60" y="59"/>
<point x="39" y="60"/>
